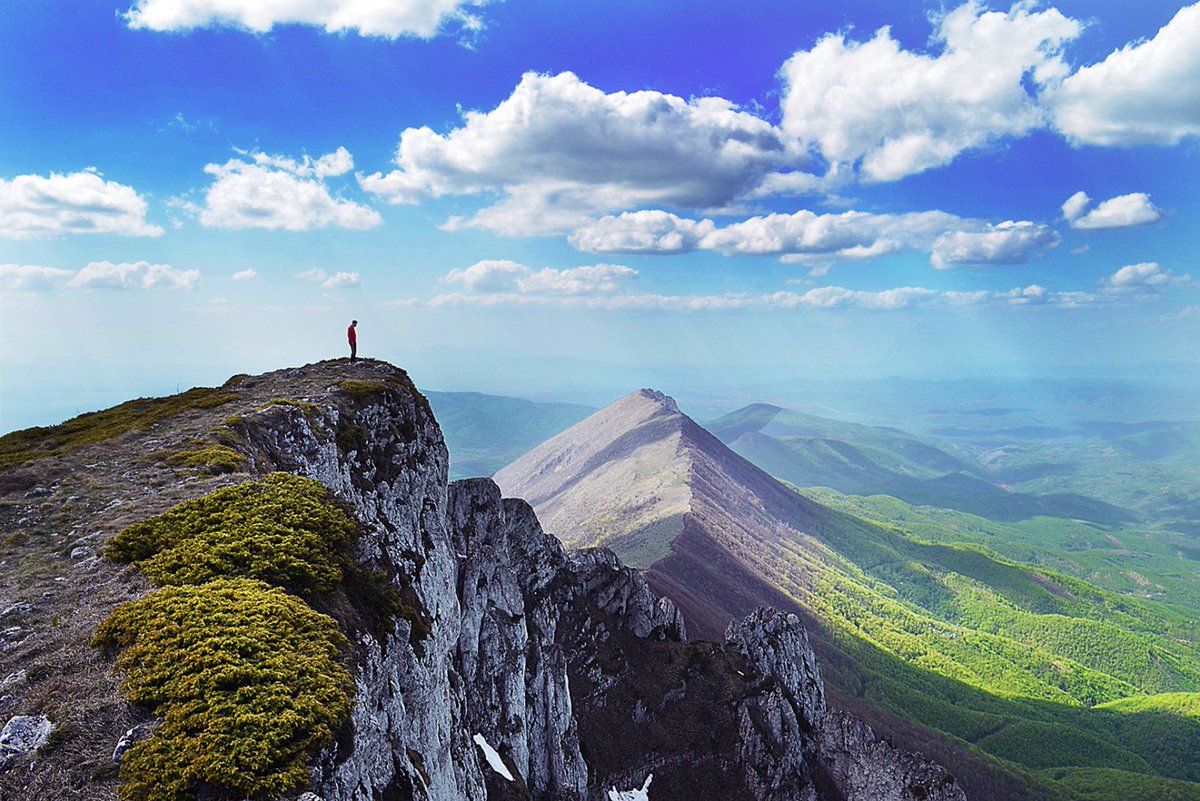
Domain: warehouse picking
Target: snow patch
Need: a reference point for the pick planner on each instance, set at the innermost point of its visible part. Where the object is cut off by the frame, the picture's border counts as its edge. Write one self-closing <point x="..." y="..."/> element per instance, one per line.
<point x="632" y="795"/>
<point x="497" y="763"/>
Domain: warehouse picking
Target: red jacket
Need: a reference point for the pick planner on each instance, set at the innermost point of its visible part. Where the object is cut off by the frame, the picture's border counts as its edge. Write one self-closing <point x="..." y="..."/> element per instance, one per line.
<point x="351" y="335"/>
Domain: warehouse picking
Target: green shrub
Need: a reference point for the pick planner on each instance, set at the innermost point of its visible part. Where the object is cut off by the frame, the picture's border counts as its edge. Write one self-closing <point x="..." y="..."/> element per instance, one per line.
<point x="246" y="679"/>
<point x="209" y="458"/>
<point x="283" y="530"/>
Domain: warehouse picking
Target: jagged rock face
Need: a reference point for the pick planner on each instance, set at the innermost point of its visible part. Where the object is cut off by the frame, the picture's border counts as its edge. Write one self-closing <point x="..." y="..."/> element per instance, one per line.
<point x="866" y="769"/>
<point x="568" y="655"/>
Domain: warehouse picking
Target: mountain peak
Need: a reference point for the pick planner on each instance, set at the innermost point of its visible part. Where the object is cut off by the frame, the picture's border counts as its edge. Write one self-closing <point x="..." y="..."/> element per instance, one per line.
<point x="658" y="397"/>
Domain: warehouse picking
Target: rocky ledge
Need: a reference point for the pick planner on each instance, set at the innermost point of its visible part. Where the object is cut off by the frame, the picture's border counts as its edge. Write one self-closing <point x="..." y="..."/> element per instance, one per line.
<point x="519" y="670"/>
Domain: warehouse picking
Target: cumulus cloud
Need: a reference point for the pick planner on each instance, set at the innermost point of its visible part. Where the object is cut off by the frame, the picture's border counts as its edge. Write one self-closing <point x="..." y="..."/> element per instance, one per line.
<point x="1117" y="212"/>
<point x="558" y="145"/>
<point x="32" y="278"/>
<point x="280" y="193"/>
<point x="244" y="275"/>
<point x="849" y="235"/>
<point x="1143" y="276"/>
<point x="1147" y="92"/>
<point x="133" y="275"/>
<point x="385" y="18"/>
<point x="1074" y="206"/>
<point x="339" y="280"/>
<point x="821" y="239"/>
<point x="894" y="112"/>
<point x="500" y="277"/>
<point x="649" y="231"/>
<point x="1003" y="243"/>
<point x="72" y="203"/>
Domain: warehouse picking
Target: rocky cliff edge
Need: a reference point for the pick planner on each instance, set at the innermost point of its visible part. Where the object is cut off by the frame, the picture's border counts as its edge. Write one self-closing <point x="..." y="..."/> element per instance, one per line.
<point x="518" y="671"/>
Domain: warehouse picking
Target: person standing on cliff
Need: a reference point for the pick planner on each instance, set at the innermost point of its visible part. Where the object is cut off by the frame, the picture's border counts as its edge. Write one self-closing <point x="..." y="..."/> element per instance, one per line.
<point x="352" y="337"/>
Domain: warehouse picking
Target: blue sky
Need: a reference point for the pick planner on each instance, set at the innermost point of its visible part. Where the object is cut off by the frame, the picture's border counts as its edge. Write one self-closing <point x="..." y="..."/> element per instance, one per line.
<point x="530" y="196"/>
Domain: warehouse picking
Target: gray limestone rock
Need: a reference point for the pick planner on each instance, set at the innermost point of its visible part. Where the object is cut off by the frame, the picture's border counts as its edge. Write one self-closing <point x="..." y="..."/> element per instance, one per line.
<point x="23" y="735"/>
<point x="134" y="735"/>
<point x="867" y="769"/>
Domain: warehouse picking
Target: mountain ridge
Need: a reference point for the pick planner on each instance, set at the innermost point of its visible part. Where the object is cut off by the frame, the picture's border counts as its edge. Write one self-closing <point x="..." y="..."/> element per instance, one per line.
<point x="866" y="591"/>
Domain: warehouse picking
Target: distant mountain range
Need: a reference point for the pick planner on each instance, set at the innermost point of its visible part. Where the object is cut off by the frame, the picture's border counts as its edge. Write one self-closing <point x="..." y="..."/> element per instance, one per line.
<point x="1004" y="672"/>
<point x="485" y="432"/>
<point x="871" y="460"/>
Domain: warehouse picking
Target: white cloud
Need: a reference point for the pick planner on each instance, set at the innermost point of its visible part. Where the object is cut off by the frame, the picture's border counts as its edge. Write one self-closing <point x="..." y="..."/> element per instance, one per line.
<point x="560" y="151"/>
<point x="849" y="235"/>
<point x="339" y="162"/>
<point x="342" y="280"/>
<point x="649" y="231"/>
<point x="1143" y="276"/>
<point x="31" y="278"/>
<point x="244" y="275"/>
<point x="280" y="193"/>
<point x="135" y="275"/>
<point x="1117" y="212"/>
<point x="1003" y="243"/>
<point x="72" y="203"/>
<point x="385" y="18"/>
<point x="896" y="112"/>
<point x="339" y="280"/>
<point x="1147" y="92"/>
<point x="501" y="278"/>
<point x="1074" y="206"/>
<point x="824" y="298"/>
<point x="822" y="239"/>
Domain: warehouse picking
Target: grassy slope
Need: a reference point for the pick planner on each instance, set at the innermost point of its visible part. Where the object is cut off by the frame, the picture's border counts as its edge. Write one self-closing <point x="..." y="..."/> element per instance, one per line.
<point x="1006" y="658"/>
<point x="485" y="432"/>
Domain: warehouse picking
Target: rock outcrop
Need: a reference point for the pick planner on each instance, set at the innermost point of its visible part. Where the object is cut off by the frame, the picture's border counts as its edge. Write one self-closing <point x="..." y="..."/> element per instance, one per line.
<point x="565" y="665"/>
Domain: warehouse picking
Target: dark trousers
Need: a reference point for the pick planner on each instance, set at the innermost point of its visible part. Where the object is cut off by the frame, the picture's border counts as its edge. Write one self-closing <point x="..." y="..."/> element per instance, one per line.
<point x="353" y="351"/>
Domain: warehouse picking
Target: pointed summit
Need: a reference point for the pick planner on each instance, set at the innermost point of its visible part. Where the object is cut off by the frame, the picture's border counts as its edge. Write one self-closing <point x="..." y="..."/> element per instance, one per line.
<point x="645" y="480"/>
<point x="665" y="400"/>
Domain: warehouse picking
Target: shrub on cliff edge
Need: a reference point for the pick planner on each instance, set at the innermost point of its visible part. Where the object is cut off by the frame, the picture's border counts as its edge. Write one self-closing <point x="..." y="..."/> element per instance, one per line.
<point x="246" y="679"/>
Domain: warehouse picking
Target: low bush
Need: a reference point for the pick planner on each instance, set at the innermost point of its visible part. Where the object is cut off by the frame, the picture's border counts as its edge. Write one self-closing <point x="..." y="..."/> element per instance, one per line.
<point x="246" y="679"/>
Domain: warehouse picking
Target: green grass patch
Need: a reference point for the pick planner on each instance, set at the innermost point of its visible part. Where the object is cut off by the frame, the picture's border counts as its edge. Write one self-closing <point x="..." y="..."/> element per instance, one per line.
<point x="94" y="427"/>
<point x="246" y="679"/>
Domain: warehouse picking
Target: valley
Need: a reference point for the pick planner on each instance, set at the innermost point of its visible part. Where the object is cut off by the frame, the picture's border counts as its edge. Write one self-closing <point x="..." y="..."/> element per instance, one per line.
<point x="1050" y="646"/>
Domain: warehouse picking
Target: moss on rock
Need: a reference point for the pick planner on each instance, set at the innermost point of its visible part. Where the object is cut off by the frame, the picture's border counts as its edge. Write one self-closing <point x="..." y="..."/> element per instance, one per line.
<point x="246" y="678"/>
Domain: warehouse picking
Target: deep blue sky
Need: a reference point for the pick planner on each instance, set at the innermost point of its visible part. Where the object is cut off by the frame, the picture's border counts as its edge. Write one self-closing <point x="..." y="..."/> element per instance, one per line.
<point x="147" y="160"/>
